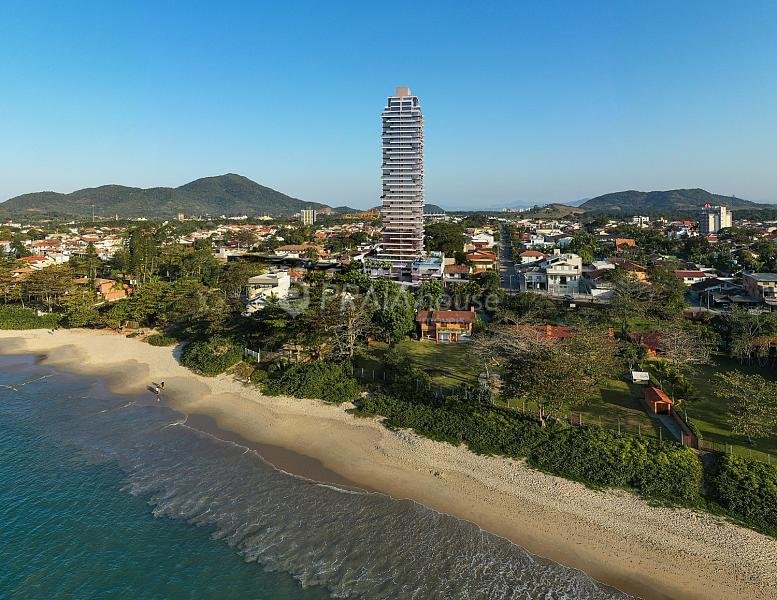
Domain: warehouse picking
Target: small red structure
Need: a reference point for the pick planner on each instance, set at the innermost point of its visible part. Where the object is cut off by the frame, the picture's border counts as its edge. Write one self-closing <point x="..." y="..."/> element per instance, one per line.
<point x="657" y="402"/>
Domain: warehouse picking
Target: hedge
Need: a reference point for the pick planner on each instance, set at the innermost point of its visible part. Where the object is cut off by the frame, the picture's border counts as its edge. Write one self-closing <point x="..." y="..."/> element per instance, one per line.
<point x="160" y="339"/>
<point x="747" y="489"/>
<point x="324" y="380"/>
<point x="212" y="356"/>
<point x="16" y="317"/>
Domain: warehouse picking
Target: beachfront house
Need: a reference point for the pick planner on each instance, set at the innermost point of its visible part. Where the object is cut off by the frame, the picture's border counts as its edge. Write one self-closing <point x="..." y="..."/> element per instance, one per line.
<point x="446" y="326"/>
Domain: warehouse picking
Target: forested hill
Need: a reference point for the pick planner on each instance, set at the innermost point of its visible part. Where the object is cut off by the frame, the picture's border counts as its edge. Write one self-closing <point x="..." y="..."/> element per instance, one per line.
<point x="633" y="202"/>
<point x="221" y="195"/>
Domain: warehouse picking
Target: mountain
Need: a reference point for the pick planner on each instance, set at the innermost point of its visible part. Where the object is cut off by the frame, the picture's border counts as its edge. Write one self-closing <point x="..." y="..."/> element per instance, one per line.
<point x="433" y="209"/>
<point x="221" y="195"/>
<point x="553" y="211"/>
<point x="632" y="202"/>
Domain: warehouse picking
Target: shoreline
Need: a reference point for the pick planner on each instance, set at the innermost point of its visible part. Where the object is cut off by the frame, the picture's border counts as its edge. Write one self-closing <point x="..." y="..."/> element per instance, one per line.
<point x="613" y="536"/>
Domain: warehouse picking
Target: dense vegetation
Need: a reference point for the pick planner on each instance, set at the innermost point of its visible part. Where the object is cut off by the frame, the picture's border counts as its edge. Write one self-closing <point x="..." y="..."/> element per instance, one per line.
<point x="665" y="202"/>
<point x="225" y="194"/>
<point x="323" y="380"/>
<point x="161" y="339"/>
<point x="747" y="489"/>
<point x="16" y="317"/>
<point x="212" y="356"/>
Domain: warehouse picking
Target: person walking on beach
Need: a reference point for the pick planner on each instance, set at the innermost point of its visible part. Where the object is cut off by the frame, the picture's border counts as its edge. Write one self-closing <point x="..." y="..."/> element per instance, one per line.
<point x="162" y="384"/>
<point x="156" y="391"/>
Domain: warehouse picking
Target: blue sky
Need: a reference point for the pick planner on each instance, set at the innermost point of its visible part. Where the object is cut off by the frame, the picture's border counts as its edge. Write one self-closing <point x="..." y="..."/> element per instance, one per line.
<point x="524" y="102"/>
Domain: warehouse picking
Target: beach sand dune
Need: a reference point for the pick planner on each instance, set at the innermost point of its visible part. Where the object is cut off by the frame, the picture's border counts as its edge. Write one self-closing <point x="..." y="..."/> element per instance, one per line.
<point x="652" y="552"/>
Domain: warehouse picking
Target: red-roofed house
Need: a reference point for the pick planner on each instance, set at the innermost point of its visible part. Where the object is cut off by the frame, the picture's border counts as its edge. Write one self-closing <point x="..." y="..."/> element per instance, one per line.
<point x="456" y="273"/>
<point x="622" y="243"/>
<point x="446" y="326"/>
<point x="37" y="262"/>
<point x="481" y="260"/>
<point x="691" y="277"/>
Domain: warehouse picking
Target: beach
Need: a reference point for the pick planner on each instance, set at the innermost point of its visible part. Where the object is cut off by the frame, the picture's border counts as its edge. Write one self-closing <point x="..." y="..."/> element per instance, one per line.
<point x="617" y="538"/>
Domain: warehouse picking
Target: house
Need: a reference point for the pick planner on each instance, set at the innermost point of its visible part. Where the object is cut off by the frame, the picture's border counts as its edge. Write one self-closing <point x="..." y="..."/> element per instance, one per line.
<point x="528" y="256"/>
<point x="691" y="277"/>
<point x="761" y="285"/>
<point x="111" y="290"/>
<point x="656" y="401"/>
<point x="480" y="241"/>
<point x="624" y="243"/>
<point x="260" y="288"/>
<point x="456" y="273"/>
<point x="650" y="341"/>
<point x="446" y="326"/>
<point x="557" y="274"/>
<point x="428" y="267"/>
<point x="633" y="270"/>
<point x="481" y="260"/>
<point x="37" y="262"/>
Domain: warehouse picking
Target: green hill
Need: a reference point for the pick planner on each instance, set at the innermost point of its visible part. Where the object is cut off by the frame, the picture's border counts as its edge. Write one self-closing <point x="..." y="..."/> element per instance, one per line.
<point x="221" y="195"/>
<point x="632" y="202"/>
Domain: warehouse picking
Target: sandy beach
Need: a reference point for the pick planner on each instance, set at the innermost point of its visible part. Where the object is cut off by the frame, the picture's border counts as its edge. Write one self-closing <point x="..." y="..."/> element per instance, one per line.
<point x="652" y="552"/>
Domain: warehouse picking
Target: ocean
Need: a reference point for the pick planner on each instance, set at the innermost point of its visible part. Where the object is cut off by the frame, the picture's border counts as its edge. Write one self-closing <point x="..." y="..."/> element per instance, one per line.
<point x="108" y="496"/>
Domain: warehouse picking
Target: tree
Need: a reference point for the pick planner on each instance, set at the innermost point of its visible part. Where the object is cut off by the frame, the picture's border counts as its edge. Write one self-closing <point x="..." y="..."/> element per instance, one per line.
<point x="554" y="373"/>
<point x="81" y="308"/>
<point x="393" y="313"/>
<point x="49" y="285"/>
<point x="445" y="237"/>
<point x="752" y="403"/>
<point x="430" y="294"/>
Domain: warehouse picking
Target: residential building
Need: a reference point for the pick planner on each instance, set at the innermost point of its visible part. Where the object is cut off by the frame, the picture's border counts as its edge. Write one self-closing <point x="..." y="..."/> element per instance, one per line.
<point x="761" y="285"/>
<point x="713" y="219"/>
<point x="403" y="182"/>
<point x="558" y="274"/>
<point x="260" y="288"/>
<point x="481" y="260"/>
<point x="456" y="273"/>
<point x="446" y="326"/>
<point x="691" y="277"/>
<point x="530" y="256"/>
<point x="307" y="216"/>
<point x="428" y="267"/>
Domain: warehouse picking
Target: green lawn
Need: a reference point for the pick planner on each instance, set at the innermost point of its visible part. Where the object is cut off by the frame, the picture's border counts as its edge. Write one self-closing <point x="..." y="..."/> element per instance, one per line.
<point x="449" y="365"/>
<point x="709" y="413"/>
<point x="618" y="406"/>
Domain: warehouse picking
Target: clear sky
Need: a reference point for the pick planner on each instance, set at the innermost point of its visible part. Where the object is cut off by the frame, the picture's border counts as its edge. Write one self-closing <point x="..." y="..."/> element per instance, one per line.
<point x="524" y="102"/>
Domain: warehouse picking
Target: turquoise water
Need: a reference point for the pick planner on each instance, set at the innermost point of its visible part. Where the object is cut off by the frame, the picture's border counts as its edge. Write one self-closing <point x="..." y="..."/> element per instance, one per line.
<point x="68" y="531"/>
<point x="105" y="496"/>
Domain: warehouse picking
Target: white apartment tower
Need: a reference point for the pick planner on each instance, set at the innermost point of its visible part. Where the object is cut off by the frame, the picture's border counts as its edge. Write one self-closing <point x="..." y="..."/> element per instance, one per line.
<point x="403" y="181"/>
<point x="713" y="219"/>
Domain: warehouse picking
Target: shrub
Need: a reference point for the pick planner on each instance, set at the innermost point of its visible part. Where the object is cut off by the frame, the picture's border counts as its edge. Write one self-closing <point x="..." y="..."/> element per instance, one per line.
<point x="213" y="356"/>
<point x="161" y="339"/>
<point x="16" y="317"/>
<point x="747" y="489"/>
<point x="324" y="380"/>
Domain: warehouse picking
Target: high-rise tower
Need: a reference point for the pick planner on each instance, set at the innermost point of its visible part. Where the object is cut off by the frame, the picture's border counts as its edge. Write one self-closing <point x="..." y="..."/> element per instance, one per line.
<point x="403" y="181"/>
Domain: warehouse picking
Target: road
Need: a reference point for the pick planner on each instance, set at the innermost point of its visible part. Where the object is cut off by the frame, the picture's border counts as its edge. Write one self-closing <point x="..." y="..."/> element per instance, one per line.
<point x="507" y="268"/>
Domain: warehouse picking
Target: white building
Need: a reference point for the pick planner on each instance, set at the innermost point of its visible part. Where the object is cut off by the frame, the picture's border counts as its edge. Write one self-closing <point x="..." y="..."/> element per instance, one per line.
<point x="307" y="216"/>
<point x="558" y="274"/>
<point x="260" y="288"/>
<point x="403" y="182"/>
<point x="713" y="219"/>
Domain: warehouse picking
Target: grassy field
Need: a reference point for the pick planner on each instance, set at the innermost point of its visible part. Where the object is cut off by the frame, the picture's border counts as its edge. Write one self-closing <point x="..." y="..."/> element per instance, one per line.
<point x="709" y="413"/>
<point x="618" y="405"/>
<point x="449" y="365"/>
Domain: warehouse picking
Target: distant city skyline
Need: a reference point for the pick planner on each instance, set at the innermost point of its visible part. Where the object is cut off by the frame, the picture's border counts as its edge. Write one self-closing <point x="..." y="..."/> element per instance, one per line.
<point x="563" y="101"/>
